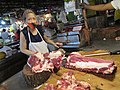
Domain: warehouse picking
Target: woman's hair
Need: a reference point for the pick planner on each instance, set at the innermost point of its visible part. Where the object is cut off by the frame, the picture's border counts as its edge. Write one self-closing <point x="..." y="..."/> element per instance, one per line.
<point x="26" y="12"/>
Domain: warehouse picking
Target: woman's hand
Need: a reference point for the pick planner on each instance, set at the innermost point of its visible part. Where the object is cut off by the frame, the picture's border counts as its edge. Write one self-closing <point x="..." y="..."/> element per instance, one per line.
<point x="58" y="44"/>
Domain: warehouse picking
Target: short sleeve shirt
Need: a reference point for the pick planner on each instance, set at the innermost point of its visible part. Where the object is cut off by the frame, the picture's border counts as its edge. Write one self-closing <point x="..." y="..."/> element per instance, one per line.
<point x="116" y="4"/>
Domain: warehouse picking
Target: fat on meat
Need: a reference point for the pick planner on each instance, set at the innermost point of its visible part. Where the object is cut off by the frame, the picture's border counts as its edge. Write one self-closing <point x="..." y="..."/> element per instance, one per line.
<point x="90" y="64"/>
<point x="45" y="62"/>
<point x="68" y="82"/>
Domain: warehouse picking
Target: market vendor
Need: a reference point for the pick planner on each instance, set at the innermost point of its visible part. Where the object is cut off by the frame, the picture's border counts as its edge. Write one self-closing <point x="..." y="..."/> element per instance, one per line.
<point x="33" y="40"/>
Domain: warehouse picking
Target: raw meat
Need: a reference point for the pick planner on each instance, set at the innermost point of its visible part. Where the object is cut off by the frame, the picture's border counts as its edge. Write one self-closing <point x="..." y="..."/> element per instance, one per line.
<point x="89" y="64"/>
<point x="68" y="82"/>
<point x="45" y="62"/>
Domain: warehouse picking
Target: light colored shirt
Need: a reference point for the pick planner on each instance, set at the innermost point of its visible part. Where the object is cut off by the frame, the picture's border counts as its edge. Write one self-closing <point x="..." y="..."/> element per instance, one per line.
<point x="4" y="35"/>
<point x="116" y="4"/>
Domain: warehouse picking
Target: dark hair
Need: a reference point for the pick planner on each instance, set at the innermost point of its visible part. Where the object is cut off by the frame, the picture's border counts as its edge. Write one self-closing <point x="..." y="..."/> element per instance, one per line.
<point x="4" y="30"/>
<point x="26" y="12"/>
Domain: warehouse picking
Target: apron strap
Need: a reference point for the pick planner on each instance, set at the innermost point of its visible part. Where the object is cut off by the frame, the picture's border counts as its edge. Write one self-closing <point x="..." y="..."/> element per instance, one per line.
<point x="38" y="33"/>
<point x="28" y="35"/>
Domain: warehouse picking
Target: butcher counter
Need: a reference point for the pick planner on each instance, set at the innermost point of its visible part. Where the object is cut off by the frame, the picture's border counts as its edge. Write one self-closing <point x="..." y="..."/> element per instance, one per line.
<point x="97" y="81"/>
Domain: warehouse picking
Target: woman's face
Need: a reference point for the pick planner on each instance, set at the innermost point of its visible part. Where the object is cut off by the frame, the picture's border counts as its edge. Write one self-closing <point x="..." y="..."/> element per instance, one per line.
<point x="31" y="18"/>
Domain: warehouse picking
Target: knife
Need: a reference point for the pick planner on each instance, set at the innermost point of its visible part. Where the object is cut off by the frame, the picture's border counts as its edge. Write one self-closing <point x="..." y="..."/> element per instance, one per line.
<point x="104" y="53"/>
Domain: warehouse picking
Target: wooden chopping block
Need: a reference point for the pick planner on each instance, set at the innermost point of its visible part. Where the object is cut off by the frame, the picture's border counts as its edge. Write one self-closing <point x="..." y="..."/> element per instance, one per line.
<point x="34" y="79"/>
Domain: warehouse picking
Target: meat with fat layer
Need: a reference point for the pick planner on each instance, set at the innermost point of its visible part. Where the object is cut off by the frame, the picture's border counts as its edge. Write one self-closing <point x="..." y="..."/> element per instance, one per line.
<point x="45" y="62"/>
<point x="90" y="64"/>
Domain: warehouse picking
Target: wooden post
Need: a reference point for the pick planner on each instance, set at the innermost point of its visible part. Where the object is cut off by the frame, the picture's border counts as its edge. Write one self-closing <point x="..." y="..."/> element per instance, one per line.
<point x="86" y="29"/>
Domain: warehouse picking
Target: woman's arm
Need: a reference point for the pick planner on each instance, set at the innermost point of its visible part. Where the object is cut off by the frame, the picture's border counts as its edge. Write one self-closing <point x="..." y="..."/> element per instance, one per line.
<point x="50" y="41"/>
<point x="100" y="7"/>
<point x="23" y="46"/>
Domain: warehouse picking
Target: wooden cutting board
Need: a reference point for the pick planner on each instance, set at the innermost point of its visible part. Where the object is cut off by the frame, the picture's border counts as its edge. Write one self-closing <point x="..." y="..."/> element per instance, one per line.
<point x="97" y="81"/>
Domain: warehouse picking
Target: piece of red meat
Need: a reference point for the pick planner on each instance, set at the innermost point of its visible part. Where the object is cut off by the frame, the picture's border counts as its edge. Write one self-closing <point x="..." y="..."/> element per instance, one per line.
<point x="32" y="61"/>
<point x="57" y="62"/>
<point x="46" y="56"/>
<point x="48" y="62"/>
<point x="90" y="64"/>
<point x="49" y="87"/>
<point x="56" y="57"/>
<point x="38" y="66"/>
<point x="68" y="82"/>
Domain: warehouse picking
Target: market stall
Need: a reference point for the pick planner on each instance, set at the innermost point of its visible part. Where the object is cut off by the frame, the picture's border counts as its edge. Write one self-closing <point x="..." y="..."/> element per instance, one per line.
<point x="97" y="81"/>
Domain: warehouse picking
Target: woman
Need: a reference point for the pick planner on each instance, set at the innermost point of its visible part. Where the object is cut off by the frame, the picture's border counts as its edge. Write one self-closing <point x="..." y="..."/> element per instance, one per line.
<point x="33" y="40"/>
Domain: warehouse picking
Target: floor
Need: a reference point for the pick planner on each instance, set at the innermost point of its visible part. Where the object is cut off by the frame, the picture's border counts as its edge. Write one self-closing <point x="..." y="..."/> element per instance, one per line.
<point x="17" y="82"/>
<point x="110" y="45"/>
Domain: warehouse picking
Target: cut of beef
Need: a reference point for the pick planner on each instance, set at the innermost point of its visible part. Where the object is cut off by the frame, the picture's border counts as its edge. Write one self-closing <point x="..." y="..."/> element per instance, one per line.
<point x="38" y="66"/>
<point x="49" y="87"/>
<point x="68" y="82"/>
<point x="89" y="64"/>
<point x="45" y="62"/>
<point x="56" y="57"/>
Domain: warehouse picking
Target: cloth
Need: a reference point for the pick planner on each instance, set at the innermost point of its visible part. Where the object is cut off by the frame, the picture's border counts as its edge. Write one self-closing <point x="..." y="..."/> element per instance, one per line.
<point x="116" y="4"/>
<point x="38" y="46"/>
